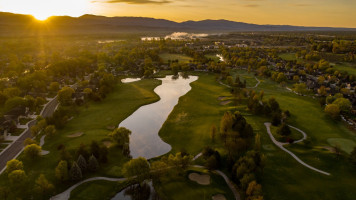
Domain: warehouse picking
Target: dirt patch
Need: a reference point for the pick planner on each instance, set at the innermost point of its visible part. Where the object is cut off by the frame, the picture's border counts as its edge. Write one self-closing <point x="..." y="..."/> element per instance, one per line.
<point x="43" y="152"/>
<point x="181" y="116"/>
<point x="268" y="147"/>
<point x="221" y="98"/>
<point x="200" y="179"/>
<point x="225" y="102"/>
<point x="218" y="197"/>
<point x="111" y="128"/>
<point x="76" y="135"/>
<point x="331" y="149"/>
<point x="107" y="143"/>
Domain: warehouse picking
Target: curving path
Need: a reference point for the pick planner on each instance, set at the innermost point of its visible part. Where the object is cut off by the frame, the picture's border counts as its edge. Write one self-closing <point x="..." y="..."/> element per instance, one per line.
<point x="221" y="83"/>
<point x="258" y="83"/>
<point x="66" y="194"/>
<point x="229" y="183"/>
<point x="280" y="145"/>
<point x="42" y="141"/>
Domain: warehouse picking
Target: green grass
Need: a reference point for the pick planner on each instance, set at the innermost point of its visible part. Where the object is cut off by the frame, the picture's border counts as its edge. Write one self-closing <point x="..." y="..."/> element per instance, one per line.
<point x="285" y="178"/>
<point x="295" y="135"/>
<point x="24" y="121"/>
<point x="3" y="146"/>
<point x="95" y="190"/>
<point x="17" y="132"/>
<point x="180" y="57"/>
<point x="213" y="57"/>
<point x="346" y="145"/>
<point x="288" y="56"/>
<point x="181" y="188"/>
<point x="93" y="122"/>
<point x="346" y="67"/>
<point x="188" y="126"/>
<point x="244" y="76"/>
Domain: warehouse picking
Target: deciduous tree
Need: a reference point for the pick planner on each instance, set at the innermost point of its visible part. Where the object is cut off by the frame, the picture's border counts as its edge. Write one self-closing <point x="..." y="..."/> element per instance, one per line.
<point x="32" y="151"/>
<point x="13" y="165"/>
<point x="61" y="171"/>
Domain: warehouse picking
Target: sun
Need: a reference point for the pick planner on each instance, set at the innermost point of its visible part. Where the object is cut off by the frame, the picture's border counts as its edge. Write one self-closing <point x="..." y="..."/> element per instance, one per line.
<point x="42" y="9"/>
<point x="41" y="17"/>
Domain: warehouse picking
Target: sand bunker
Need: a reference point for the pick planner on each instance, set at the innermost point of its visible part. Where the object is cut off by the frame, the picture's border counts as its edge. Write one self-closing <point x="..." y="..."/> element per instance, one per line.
<point x="225" y="102"/>
<point x="43" y="153"/>
<point x="181" y="116"/>
<point x="75" y="135"/>
<point x="221" y="98"/>
<point x="111" y="128"/>
<point x="200" y="179"/>
<point x="218" y="197"/>
<point x="107" y="143"/>
<point x="331" y="149"/>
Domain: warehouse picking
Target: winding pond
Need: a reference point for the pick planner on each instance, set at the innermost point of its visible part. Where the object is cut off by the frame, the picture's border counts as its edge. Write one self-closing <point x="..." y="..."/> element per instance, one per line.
<point x="146" y="122"/>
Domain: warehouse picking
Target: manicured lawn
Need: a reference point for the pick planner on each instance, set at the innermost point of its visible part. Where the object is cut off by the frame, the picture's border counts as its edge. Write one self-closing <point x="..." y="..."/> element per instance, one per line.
<point x="245" y="76"/>
<point x="213" y="57"/>
<point x="285" y="178"/>
<point x="295" y="135"/>
<point x="188" y="128"/>
<point x="346" y="145"/>
<point x="289" y="56"/>
<point x="180" y="57"/>
<point x="347" y="67"/>
<point x="24" y="121"/>
<point x="95" y="190"/>
<point x="181" y="188"/>
<point x="93" y="121"/>
<point x="189" y="124"/>
<point x="17" y="132"/>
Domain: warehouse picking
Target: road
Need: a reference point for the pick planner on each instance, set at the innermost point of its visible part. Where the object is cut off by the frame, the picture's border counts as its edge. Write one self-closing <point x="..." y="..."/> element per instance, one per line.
<point x="17" y="146"/>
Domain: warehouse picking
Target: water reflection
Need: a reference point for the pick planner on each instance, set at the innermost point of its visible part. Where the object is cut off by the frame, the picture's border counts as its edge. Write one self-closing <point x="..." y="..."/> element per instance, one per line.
<point x="144" y="191"/>
<point x="146" y="122"/>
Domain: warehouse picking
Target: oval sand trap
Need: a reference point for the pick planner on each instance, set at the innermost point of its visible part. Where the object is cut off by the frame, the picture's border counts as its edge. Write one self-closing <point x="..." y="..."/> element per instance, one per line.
<point x="75" y="135"/>
<point x="200" y="179"/>
<point x="218" y="197"/>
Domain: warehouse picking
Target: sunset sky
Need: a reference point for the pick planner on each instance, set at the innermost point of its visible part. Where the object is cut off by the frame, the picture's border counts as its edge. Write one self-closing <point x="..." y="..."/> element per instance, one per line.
<point x="334" y="13"/>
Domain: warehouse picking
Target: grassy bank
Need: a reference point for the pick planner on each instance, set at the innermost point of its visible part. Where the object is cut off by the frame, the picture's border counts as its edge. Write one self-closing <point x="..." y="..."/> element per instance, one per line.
<point x="189" y="124"/>
<point x="93" y="121"/>
<point x="172" y="57"/>
<point x="345" y="67"/>
<point x="181" y="188"/>
<point x="285" y="178"/>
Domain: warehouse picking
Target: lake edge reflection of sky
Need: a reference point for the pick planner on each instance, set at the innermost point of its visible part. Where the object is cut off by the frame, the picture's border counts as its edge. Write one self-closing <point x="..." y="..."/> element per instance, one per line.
<point x="146" y="122"/>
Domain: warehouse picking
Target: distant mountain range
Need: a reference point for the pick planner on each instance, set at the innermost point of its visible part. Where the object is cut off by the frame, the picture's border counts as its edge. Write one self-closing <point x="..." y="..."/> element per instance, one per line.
<point x="14" y="24"/>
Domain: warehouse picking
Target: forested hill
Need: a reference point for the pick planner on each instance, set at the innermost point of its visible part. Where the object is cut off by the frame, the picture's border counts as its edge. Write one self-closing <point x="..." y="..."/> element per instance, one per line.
<point x="14" y="24"/>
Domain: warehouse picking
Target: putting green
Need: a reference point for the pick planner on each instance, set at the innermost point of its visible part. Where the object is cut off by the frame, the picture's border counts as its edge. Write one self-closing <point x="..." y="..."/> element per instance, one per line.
<point x="345" y="144"/>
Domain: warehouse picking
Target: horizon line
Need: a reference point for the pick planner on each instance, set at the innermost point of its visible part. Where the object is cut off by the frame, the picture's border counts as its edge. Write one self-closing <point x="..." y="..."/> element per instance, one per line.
<point x="221" y="19"/>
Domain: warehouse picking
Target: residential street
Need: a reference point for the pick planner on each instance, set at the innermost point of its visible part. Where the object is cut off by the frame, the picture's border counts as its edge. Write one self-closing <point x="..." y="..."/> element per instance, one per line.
<point x="16" y="147"/>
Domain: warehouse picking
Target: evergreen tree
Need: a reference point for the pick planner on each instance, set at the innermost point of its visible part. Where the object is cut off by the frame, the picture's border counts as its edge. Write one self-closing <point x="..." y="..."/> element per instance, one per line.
<point x="284" y="130"/>
<point x="75" y="172"/>
<point x="82" y="163"/>
<point x="93" y="164"/>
